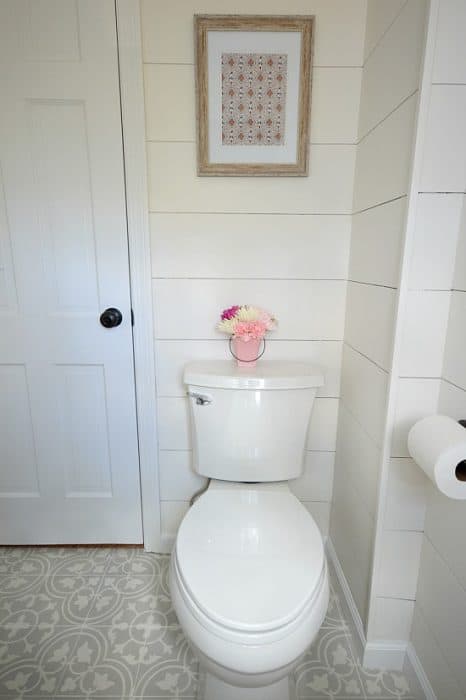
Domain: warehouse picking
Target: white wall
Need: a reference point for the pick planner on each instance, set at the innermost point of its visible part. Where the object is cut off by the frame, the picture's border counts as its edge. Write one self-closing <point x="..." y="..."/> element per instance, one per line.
<point x="278" y="242"/>
<point x="439" y="266"/>
<point x="393" y="52"/>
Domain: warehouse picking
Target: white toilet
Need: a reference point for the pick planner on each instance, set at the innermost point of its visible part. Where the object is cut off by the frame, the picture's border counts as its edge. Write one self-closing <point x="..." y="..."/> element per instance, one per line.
<point x="248" y="575"/>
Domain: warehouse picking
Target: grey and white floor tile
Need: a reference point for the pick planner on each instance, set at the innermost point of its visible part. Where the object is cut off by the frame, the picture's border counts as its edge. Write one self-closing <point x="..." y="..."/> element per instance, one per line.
<point x="98" y="622"/>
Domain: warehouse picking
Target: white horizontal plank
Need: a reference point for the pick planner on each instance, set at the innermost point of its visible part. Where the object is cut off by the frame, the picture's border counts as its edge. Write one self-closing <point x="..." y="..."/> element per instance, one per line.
<point x="174" y="185"/>
<point x="178" y="480"/>
<point x="250" y="245"/>
<point x="322" y="435"/>
<point x="399" y="564"/>
<point x="172" y="355"/>
<point x="315" y="484"/>
<point x="416" y="399"/>
<point x="435" y="240"/>
<point x="391" y="73"/>
<point x="444" y="525"/>
<point x="454" y="369"/>
<point x="450" y="47"/>
<point x="321" y="514"/>
<point x="444" y="160"/>
<point x="335" y="105"/>
<point x="334" y="108"/>
<point x="169" y="95"/>
<point x="459" y="281"/>
<point x="437" y="584"/>
<point x="376" y="239"/>
<point x="406" y="496"/>
<point x="167" y="29"/>
<point x="175" y="430"/>
<point x="424" y="333"/>
<point x="370" y="313"/>
<point x="392" y="618"/>
<point x="357" y="459"/>
<point x="364" y="392"/>
<point x="306" y="310"/>
<point x="171" y="515"/>
<point x="433" y="659"/>
<point x="385" y="151"/>
<point x="379" y="17"/>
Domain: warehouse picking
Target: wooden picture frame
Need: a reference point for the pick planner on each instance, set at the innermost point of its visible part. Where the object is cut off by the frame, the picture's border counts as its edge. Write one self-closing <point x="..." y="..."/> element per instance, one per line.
<point x="253" y="89"/>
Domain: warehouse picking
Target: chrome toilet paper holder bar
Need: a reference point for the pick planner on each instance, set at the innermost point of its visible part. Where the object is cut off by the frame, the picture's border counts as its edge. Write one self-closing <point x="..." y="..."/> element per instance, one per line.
<point x="460" y="470"/>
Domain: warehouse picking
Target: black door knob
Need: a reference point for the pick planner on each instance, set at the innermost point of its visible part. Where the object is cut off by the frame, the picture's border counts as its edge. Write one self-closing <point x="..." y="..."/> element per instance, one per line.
<point x="110" y="318"/>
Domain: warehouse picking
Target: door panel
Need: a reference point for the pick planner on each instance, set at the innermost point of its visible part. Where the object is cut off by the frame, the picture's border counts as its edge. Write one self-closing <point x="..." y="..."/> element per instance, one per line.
<point x="68" y="441"/>
<point x="19" y="473"/>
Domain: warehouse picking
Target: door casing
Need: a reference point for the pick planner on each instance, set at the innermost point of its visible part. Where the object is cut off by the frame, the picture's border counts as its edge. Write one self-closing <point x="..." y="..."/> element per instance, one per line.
<point x="130" y="60"/>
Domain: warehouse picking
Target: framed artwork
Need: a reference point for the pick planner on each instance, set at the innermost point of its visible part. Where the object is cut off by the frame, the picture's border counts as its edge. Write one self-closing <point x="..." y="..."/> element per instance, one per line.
<point x="253" y="85"/>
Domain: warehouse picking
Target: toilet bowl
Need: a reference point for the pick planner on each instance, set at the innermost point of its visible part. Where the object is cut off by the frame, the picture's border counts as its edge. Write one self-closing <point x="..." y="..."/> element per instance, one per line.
<point x="248" y="580"/>
<point x="248" y="576"/>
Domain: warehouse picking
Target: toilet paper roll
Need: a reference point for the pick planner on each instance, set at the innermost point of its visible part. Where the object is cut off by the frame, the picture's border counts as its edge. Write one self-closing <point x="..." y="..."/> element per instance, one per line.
<point x="438" y="445"/>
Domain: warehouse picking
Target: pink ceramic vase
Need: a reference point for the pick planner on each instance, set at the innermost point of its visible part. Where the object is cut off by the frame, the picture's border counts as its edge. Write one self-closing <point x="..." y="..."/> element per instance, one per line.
<point x="246" y="352"/>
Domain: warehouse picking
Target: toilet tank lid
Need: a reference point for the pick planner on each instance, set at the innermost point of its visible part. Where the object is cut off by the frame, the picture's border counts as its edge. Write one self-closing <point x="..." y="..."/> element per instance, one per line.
<point x="268" y="374"/>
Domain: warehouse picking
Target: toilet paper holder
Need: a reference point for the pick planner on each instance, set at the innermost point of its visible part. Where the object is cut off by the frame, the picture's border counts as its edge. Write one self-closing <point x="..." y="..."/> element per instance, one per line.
<point x="460" y="471"/>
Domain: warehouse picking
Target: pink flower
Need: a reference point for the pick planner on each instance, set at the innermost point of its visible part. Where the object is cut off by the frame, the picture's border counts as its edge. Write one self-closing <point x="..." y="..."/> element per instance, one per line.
<point x="250" y="330"/>
<point x="229" y="313"/>
<point x="267" y="319"/>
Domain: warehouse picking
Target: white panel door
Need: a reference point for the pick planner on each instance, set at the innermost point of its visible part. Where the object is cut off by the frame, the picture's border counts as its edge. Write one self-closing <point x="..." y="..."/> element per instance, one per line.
<point x="69" y="468"/>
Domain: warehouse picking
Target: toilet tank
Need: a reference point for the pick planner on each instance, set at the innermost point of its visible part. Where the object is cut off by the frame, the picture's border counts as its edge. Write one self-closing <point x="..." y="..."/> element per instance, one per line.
<point x="250" y="424"/>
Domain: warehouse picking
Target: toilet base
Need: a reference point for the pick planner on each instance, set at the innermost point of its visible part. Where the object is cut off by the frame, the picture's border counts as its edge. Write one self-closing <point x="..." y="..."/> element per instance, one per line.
<point x="212" y="688"/>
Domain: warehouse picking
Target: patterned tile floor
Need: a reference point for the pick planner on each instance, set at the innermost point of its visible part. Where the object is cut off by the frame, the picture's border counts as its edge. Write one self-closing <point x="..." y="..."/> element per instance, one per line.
<point x="98" y="623"/>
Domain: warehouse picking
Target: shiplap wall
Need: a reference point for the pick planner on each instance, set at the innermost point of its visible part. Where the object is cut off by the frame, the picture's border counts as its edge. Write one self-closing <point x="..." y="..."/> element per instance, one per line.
<point x="282" y="243"/>
<point x="438" y="278"/>
<point x="393" y="52"/>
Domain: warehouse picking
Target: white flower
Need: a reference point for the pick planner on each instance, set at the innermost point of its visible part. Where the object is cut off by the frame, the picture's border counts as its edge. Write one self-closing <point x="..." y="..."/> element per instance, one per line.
<point x="227" y="325"/>
<point x="248" y="313"/>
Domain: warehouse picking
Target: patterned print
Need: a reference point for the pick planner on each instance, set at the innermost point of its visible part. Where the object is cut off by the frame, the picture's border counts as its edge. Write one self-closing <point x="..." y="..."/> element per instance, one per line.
<point x="98" y="623"/>
<point x="253" y="99"/>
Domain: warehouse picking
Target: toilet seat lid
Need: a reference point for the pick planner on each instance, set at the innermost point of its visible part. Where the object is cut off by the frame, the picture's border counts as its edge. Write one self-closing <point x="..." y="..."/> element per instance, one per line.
<point x="250" y="558"/>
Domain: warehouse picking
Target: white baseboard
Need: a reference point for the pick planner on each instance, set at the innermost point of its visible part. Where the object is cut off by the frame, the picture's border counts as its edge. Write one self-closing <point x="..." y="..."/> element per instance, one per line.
<point x="390" y="655"/>
<point x="332" y="555"/>
<point x="166" y="544"/>
<point x="420" y="673"/>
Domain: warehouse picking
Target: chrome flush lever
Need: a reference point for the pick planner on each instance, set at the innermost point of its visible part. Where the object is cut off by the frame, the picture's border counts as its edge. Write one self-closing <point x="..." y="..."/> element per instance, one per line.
<point x="201" y="399"/>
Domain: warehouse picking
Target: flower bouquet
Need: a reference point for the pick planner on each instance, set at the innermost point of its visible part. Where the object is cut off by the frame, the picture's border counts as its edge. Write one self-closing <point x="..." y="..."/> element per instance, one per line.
<point x="246" y="325"/>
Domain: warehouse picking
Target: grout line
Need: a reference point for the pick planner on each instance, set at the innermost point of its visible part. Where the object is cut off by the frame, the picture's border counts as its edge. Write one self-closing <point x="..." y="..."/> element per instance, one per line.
<point x="311" y="143"/>
<point x="191" y="63"/>
<point x="386" y="371"/>
<point x="379" y="123"/>
<point x="410" y="376"/>
<point x="372" y="284"/>
<point x="282" y="340"/>
<point x="331" y="452"/>
<point x="258" y="279"/>
<point x="432" y="631"/>
<point x="380" y="204"/>
<point x="185" y="398"/>
<point x="441" y="191"/>
<point x="384" y="33"/>
<point x="255" y="213"/>
<point x="402" y="529"/>
<point x="448" y="381"/>
<point x="269" y="340"/>
<point x="430" y="289"/>
<point x="447" y="565"/>
<point x="364" y="430"/>
<point x="451" y="84"/>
